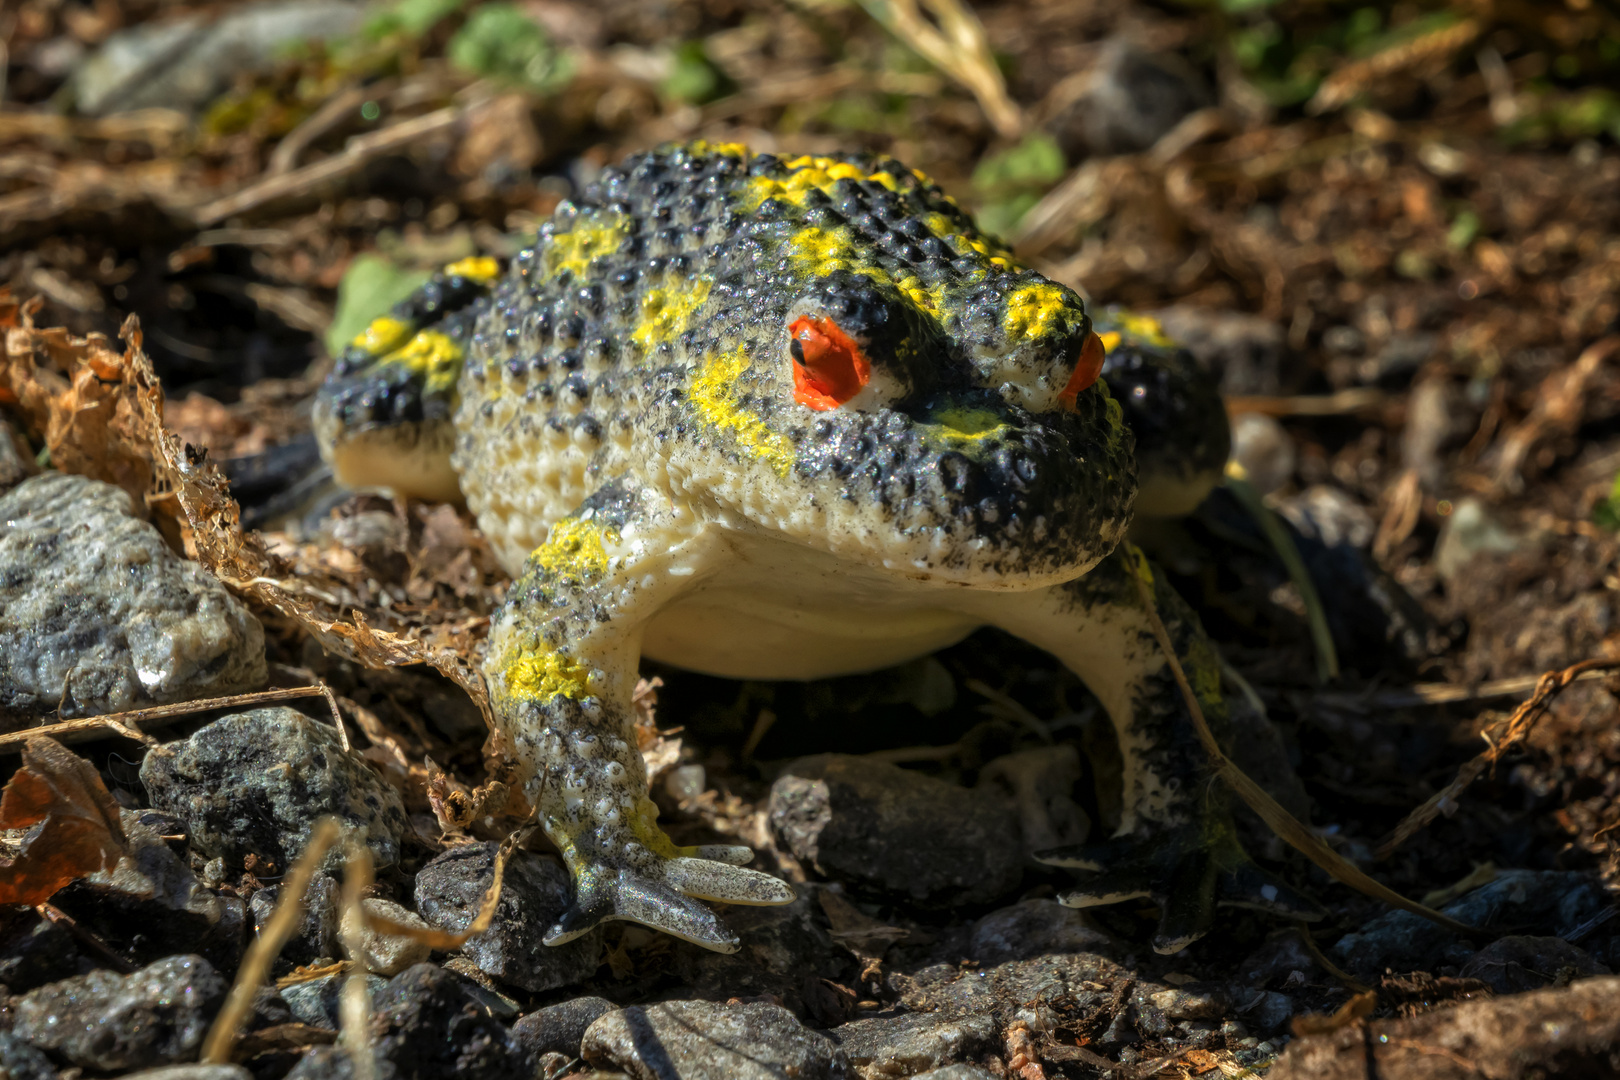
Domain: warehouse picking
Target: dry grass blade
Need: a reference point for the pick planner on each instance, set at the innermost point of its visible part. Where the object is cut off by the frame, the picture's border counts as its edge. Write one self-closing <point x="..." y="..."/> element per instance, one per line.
<point x="321" y="175"/>
<point x="1343" y="85"/>
<point x="958" y="47"/>
<point x="124" y="723"/>
<point x="1338" y="403"/>
<point x="1498" y="739"/>
<point x="1279" y="820"/>
<point x="267" y="946"/>
<point x="1344" y="978"/>
<point x="354" y="1007"/>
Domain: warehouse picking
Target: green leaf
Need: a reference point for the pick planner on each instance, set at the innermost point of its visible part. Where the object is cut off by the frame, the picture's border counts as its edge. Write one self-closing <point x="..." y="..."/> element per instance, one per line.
<point x="1036" y="162"/>
<point x="369" y="288"/>
<point x="1606" y="512"/>
<point x="500" y="42"/>
<point x="694" y="79"/>
<point x="1463" y="230"/>
<point x="412" y="18"/>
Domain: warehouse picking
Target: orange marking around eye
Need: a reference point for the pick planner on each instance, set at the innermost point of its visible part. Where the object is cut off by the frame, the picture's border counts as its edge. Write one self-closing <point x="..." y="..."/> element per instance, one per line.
<point x="1086" y="370"/>
<point x="833" y="368"/>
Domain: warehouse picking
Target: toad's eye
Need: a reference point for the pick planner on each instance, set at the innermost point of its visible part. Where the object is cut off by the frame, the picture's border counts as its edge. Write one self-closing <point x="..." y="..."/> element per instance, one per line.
<point x="1086" y="370"/>
<point x="828" y="367"/>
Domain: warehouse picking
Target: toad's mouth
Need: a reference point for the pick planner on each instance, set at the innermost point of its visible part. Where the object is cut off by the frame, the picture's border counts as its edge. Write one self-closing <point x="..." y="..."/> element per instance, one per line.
<point x="973" y="495"/>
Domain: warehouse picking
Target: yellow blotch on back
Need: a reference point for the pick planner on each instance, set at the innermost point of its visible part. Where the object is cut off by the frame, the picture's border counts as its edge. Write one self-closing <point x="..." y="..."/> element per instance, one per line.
<point x="430" y="356"/>
<point x="1037" y="310"/>
<point x="821" y="251"/>
<point x="474" y="268"/>
<point x="589" y="240"/>
<point x="666" y="312"/>
<point x="713" y="391"/>
<point x="812" y="174"/>
<point x="723" y="149"/>
<point x="382" y="335"/>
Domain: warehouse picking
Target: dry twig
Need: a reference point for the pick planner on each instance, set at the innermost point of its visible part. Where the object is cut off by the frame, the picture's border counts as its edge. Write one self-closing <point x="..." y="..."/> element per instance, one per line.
<point x="1497" y="740"/>
<point x="124" y="723"/>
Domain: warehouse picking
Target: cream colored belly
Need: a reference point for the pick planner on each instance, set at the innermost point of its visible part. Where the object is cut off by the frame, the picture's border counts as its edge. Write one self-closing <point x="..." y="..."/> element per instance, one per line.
<point x="770" y="610"/>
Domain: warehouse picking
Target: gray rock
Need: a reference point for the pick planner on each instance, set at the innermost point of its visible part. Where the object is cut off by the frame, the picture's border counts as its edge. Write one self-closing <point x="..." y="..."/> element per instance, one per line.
<point x="784" y="948"/>
<point x="1268" y="1010"/>
<point x="152" y="902"/>
<point x="323" y="1063"/>
<point x="958" y="1072"/>
<point x="15" y="465"/>
<point x="256" y="782"/>
<point x="317" y="935"/>
<point x="1132" y="98"/>
<point x="1264" y="450"/>
<point x="1033" y="928"/>
<point x="559" y="1029"/>
<point x="317" y="1001"/>
<point x="876" y="825"/>
<point x="20" y="1061"/>
<point x="97" y="614"/>
<point x="905" y="1045"/>
<point x="193" y="1072"/>
<point x="156" y="1016"/>
<point x="450" y="890"/>
<point x="34" y="950"/>
<point x="1548" y="901"/>
<point x="481" y="987"/>
<point x="1246" y="351"/>
<point x="1329" y="515"/>
<point x="390" y="954"/>
<point x="182" y="63"/>
<point x="700" y="1040"/>
<point x="1192" y="1002"/>
<point x="1472" y="530"/>
<point x="426" y="1025"/>
<point x="1045" y="992"/>
<point x="1515" y="964"/>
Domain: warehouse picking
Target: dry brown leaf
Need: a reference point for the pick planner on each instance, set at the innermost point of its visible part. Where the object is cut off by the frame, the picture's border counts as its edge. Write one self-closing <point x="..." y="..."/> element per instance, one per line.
<point x="101" y="413"/>
<point x="81" y="832"/>
<point x="69" y="392"/>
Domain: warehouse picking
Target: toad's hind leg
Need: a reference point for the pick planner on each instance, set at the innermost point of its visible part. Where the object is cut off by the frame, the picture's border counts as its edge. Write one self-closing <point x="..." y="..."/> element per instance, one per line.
<point x="1176" y="843"/>
<point x="562" y="668"/>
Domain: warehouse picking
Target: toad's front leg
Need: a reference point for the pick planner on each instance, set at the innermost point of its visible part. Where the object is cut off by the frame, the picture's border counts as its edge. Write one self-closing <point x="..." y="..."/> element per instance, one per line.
<point x="562" y="670"/>
<point x="1175" y="843"/>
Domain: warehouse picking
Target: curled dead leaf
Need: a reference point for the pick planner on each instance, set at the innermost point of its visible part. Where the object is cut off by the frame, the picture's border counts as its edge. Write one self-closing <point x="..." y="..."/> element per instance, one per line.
<point x="80" y="835"/>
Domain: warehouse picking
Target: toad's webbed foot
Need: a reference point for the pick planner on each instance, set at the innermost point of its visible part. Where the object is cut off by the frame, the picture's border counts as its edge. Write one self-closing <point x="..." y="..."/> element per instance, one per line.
<point x="636" y="873"/>
<point x="1187" y="870"/>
